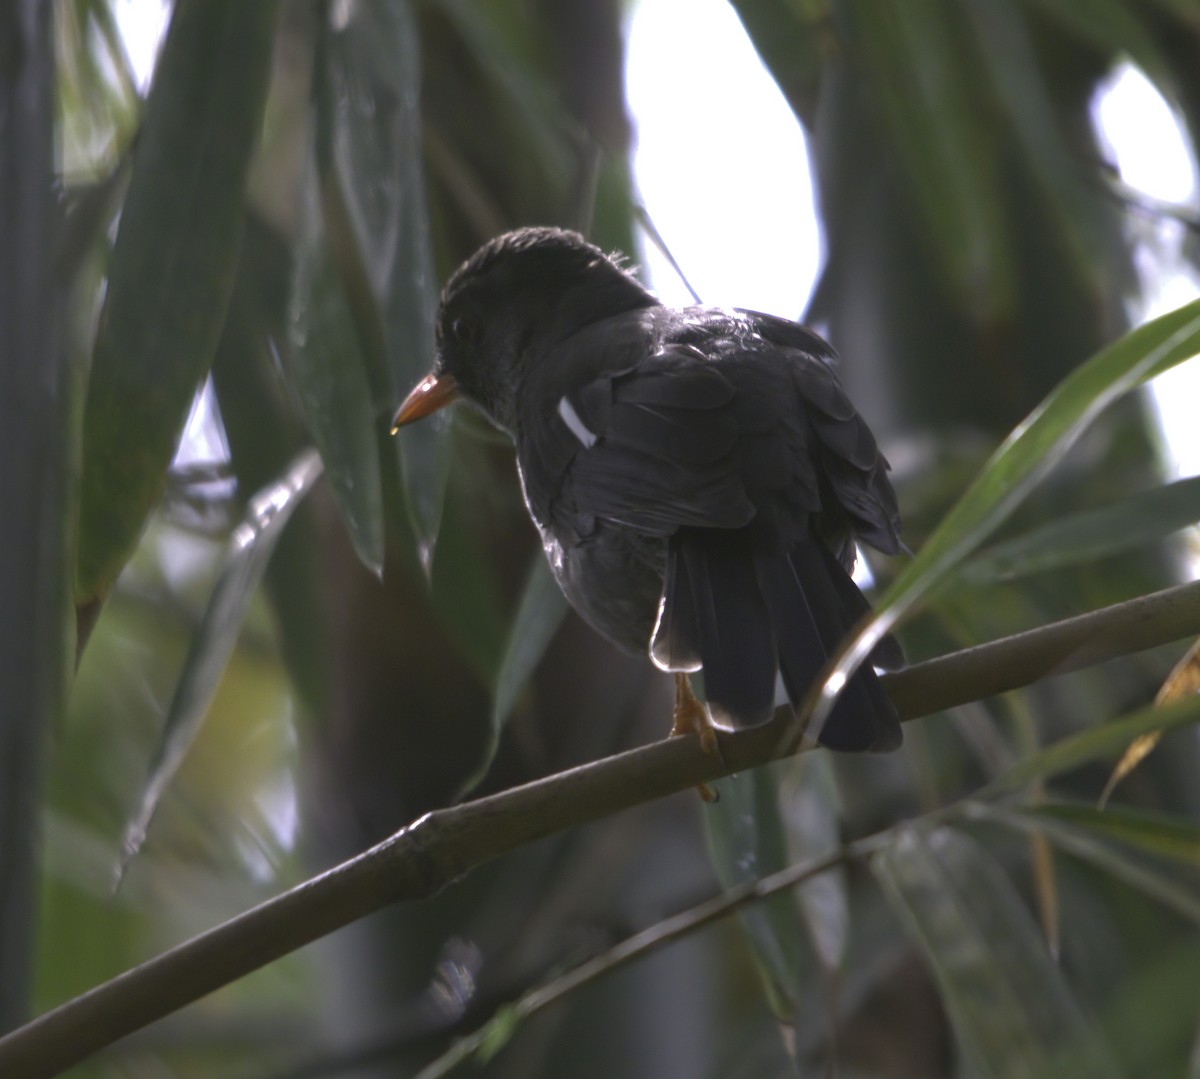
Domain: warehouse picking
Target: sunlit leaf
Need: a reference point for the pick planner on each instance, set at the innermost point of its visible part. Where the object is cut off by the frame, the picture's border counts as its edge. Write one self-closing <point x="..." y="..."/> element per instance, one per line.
<point x="172" y="270"/>
<point x="1011" y="1010"/>
<point x="250" y="549"/>
<point x="1089" y="845"/>
<point x="1131" y="522"/>
<point x="1017" y="466"/>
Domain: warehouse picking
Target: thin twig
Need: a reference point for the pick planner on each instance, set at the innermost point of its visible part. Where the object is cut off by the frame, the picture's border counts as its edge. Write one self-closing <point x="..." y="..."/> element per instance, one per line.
<point x="639" y="945"/>
<point x="440" y="847"/>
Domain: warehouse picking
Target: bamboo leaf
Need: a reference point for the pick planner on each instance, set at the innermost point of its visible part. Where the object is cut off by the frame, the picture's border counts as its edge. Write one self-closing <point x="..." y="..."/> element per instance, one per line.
<point x="371" y="150"/>
<point x="1105" y="740"/>
<point x="539" y="614"/>
<point x="1011" y="1010"/>
<point x="172" y="270"/>
<point x="1165" y="835"/>
<point x="1086" y="844"/>
<point x="325" y="365"/>
<point x="747" y="840"/>
<point x="1089" y="536"/>
<point x="1015" y="468"/>
<point x="249" y="551"/>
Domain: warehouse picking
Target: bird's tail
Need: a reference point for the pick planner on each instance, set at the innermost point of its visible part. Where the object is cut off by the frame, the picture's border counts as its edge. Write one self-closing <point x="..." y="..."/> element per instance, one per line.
<point x="748" y="616"/>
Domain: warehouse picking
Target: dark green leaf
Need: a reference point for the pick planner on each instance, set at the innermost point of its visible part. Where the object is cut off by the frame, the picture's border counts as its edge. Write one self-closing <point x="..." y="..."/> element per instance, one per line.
<point x="1086" y="844"/>
<point x="1106" y="740"/>
<point x="810" y="809"/>
<point x="172" y="270"/>
<point x="928" y="88"/>
<point x="1166" y="835"/>
<point x="1115" y="26"/>
<point x="1011" y="1010"/>
<point x="747" y="840"/>
<point x="539" y="614"/>
<point x="1086" y="537"/>
<point x="250" y="549"/>
<point x="1020" y="89"/>
<point x="370" y="114"/>
<point x="325" y="365"/>
<point x="793" y="41"/>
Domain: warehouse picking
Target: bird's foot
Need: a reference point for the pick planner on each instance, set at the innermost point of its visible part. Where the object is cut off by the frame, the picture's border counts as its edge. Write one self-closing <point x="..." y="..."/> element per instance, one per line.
<point x="691" y="717"/>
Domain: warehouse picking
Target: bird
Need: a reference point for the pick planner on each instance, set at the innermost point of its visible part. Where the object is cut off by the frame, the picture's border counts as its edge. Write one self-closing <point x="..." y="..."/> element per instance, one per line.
<point x="698" y="475"/>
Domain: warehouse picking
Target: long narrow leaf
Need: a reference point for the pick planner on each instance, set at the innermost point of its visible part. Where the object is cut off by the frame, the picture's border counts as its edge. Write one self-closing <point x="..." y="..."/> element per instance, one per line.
<point x="1015" y="468"/>
<point x="1094" y="534"/>
<point x="1084" y="843"/>
<point x="370" y="113"/>
<point x="1166" y="835"/>
<point x="250" y="549"/>
<point x="1108" y="739"/>
<point x="746" y="840"/>
<point x="1011" y="1010"/>
<point x="539" y="614"/>
<point x="172" y="270"/>
<point x="325" y="365"/>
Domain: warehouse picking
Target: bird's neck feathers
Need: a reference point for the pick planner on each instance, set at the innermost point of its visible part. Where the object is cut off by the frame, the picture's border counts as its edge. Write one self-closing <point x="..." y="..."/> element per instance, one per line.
<point x="523" y="338"/>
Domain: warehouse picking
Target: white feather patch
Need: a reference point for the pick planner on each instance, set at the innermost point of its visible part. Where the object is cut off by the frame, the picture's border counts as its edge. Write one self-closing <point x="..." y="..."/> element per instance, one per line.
<point x="571" y="418"/>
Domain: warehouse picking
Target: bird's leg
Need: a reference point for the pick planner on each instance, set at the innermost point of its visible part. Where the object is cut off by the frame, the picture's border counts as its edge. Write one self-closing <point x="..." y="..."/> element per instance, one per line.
<point x="691" y="717"/>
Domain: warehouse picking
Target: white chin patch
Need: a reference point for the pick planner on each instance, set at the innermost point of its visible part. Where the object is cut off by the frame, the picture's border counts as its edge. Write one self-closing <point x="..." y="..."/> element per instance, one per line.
<point x="576" y="426"/>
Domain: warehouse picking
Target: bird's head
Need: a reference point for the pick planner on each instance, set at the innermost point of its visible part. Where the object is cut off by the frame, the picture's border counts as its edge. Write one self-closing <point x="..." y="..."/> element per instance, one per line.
<point x="503" y="308"/>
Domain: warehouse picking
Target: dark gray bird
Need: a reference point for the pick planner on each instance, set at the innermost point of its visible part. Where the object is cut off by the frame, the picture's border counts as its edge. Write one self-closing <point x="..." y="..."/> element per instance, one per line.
<point x="698" y="475"/>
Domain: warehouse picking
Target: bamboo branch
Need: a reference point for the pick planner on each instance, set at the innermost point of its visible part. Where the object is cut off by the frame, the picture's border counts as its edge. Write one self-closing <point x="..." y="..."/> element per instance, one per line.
<point x="430" y="853"/>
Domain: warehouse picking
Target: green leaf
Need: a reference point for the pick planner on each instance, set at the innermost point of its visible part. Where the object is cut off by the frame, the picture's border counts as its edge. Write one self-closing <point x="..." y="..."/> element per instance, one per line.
<point x="539" y="614"/>
<point x="1165" y="835"/>
<point x="172" y="270"/>
<point x="325" y="365"/>
<point x="369" y="115"/>
<point x="747" y="840"/>
<point x="794" y="41"/>
<point x="1084" y="843"/>
<point x="1015" y="76"/>
<point x="927" y="87"/>
<point x="810" y="811"/>
<point x="246" y="558"/>
<point x="1016" y="467"/>
<point x="1117" y="27"/>
<point x="1107" y="740"/>
<point x="1011" y="1010"/>
<point x="1136" y="521"/>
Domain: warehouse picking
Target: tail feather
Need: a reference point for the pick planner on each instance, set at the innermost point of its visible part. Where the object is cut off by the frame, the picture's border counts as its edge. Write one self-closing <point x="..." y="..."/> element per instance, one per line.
<point x="863" y="718"/>
<point x="746" y="614"/>
<point x="723" y="620"/>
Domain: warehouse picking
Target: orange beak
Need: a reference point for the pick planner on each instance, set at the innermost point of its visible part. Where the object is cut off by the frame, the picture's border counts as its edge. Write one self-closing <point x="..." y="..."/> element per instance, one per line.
<point x="430" y="394"/>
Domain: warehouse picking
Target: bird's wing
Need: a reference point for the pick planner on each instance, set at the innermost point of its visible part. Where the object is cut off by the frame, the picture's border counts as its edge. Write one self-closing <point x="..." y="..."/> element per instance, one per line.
<point x="652" y="448"/>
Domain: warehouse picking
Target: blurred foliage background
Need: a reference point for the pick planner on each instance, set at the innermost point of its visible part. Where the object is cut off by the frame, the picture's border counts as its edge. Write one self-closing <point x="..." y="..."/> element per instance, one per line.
<point x="285" y="657"/>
